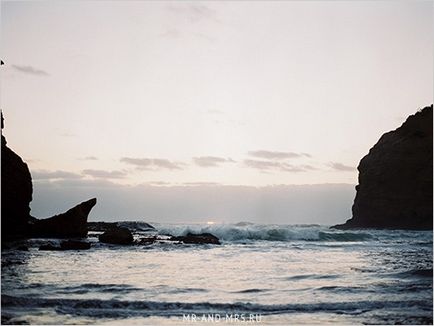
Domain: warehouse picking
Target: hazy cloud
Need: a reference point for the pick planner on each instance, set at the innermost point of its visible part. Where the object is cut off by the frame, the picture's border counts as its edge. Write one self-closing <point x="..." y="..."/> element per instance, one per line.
<point x="49" y="175"/>
<point x="157" y="183"/>
<point x="89" y="158"/>
<point x="152" y="163"/>
<point x="105" y="174"/>
<point x="211" y="161"/>
<point x="196" y="184"/>
<point x="78" y="184"/>
<point x="166" y="164"/>
<point x="341" y="167"/>
<point x="275" y="155"/>
<point x="193" y="12"/>
<point x="266" y="166"/>
<point x="30" y="70"/>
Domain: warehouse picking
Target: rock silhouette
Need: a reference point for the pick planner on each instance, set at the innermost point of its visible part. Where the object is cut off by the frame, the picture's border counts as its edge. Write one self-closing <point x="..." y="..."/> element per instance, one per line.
<point x="66" y="245"/>
<point x="16" y="195"/>
<point x="72" y="223"/>
<point x="105" y="226"/>
<point x="117" y="235"/>
<point x="395" y="188"/>
<point x="202" y="238"/>
<point x="74" y="245"/>
<point x="101" y="226"/>
<point x="16" y="192"/>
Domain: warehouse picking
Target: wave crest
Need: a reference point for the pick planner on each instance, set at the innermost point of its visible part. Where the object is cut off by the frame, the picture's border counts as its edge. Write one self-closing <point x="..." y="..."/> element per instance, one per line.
<point x="254" y="232"/>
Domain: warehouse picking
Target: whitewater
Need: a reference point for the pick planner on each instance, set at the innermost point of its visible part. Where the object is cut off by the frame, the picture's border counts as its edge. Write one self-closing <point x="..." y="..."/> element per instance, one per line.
<point x="260" y="274"/>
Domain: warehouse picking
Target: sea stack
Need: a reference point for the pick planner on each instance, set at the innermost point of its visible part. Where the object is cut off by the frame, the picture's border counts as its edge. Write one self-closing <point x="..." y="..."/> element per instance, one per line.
<point x="395" y="189"/>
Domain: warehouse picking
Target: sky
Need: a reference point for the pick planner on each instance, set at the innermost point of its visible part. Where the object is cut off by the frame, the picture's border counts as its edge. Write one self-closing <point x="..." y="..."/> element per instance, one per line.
<point x="180" y="105"/>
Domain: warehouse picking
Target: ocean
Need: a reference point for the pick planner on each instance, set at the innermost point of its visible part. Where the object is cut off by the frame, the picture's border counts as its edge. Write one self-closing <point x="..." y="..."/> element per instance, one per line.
<point x="260" y="274"/>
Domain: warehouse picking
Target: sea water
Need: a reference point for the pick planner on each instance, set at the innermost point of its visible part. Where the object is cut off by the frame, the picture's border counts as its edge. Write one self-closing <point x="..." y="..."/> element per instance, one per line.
<point x="260" y="274"/>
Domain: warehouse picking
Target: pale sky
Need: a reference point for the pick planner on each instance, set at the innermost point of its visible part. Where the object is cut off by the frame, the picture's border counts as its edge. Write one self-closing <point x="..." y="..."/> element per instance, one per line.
<point x="234" y="93"/>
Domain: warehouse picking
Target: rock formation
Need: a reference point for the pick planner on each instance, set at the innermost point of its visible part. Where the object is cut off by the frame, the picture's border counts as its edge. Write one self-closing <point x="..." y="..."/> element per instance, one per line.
<point x="395" y="188"/>
<point x="66" y="245"/>
<point x="74" y="245"/>
<point x="201" y="238"/>
<point x="16" y="195"/>
<point x="117" y="235"/>
<point x="101" y="226"/>
<point x="16" y="192"/>
<point x="105" y="226"/>
<point x="72" y="223"/>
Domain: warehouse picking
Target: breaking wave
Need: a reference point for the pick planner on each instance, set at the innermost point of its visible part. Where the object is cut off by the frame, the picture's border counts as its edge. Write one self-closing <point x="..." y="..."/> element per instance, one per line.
<point x="251" y="232"/>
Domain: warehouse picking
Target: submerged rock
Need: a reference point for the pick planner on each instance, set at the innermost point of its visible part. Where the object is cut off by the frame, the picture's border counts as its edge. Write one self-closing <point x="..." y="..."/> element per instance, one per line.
<point x="48" y="246"/>
<point x="74" y="245"/>
<point x="117" y="235"/>
<point x="147" y="241"/>
<point x="66" y="245"/>
<point x="72" y="223"/>
<point x="202" y="238"/>
<point x="396" y="179"/>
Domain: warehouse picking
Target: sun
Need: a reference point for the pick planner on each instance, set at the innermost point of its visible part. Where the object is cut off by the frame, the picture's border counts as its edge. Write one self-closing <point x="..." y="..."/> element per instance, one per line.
<point x="210" y="222"/>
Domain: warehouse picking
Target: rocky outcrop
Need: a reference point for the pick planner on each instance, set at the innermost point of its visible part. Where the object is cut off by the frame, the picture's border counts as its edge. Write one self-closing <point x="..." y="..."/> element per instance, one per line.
<point x="395" y="188"/>
<point x="117" y="235"/>
<point x="105" y="226"/>
<point x="16" y="195"/>
<point x="16" y="192"/>
<point x="66" y="245"/>
<point x="202" y="238"/>
<point x="70" y="224"/>
<point x="101" y="226"/>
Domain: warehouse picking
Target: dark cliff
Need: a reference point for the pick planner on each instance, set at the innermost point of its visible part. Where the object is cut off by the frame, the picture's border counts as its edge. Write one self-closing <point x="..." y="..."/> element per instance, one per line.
<point x="16" y="195"/>
<point x="395" y="188"/>
<point x="16" y="192"/>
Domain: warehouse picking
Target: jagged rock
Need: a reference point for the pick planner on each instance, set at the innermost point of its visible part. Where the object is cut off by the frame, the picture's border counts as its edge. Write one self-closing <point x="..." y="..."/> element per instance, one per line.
<point x="117" y="235"/>
<point x="16" y="192"/>
<point x="201" y="238"/>
<point x="396" y="179"/>
<point x="70" y="224"/>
